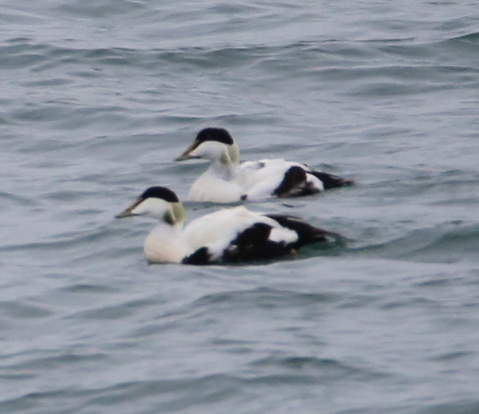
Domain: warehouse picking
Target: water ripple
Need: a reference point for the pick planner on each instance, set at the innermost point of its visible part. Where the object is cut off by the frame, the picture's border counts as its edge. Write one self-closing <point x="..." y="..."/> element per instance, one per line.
<point x="98" y="97"/>
<point x="448" y="243"/>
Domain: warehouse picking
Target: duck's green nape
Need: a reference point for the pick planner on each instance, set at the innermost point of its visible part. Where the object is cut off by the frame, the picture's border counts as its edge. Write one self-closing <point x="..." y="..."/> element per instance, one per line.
<point x="176" y="215"/>
<point x="230" y="155"/>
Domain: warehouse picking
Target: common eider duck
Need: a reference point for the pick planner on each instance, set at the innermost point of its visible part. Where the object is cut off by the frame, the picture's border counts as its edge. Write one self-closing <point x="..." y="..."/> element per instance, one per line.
<point x="226" y="236"/>
<point x="228" y="181"/>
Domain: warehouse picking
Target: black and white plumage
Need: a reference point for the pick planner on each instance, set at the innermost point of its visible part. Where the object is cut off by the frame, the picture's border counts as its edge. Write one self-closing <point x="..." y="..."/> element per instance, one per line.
<point x="228" y="235"/>
<point x="227" y="180"/>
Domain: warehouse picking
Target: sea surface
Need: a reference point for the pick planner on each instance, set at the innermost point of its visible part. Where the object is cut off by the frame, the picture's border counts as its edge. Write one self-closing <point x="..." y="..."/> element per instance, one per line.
<point x="96" y="100"/>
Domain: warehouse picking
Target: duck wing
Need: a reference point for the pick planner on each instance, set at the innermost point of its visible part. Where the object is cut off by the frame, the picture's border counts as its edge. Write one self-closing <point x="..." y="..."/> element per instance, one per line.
<point x="236" y="235"/>
<point x="276" y="177"/>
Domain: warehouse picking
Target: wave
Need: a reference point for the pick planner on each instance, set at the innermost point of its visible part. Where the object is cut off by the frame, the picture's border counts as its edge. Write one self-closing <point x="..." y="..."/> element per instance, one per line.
<point x="263" y="297"/>
<point x="469" y="38"/>
<point x="27" y="52"/>
<point x="324" y="369"/>
<point x="451" y="242"/>
<point x="457" y="407"/>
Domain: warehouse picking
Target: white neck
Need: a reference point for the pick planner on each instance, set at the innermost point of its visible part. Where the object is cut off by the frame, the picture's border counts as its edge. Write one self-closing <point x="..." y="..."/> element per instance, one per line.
<point x="224" y="158"/>
<point x="225" y="171"/>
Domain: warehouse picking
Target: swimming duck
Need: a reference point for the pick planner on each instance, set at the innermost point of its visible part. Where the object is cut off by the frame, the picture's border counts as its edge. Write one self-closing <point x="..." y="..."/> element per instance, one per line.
<point x="228" y="181"/>
<point x="228" y="235"/>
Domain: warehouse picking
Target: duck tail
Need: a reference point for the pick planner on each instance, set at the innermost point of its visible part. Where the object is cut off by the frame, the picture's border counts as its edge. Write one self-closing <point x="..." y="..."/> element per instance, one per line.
<point x="331" y="180"/>
<point x="307" y="233"/>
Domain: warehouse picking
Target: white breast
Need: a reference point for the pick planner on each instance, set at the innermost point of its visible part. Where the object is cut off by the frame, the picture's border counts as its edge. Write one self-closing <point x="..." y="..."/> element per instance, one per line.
<point x="212" y="188"/>
<point x="165" y="244"/>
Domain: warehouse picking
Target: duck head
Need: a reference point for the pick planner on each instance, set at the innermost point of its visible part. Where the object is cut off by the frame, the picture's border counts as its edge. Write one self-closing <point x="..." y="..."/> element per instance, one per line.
<point x="213" y="144"/>
<point x="157" y="202"/>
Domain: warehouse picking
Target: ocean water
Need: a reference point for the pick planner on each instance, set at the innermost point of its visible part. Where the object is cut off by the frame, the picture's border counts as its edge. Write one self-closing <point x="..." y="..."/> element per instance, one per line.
<point x="97" y="99"/>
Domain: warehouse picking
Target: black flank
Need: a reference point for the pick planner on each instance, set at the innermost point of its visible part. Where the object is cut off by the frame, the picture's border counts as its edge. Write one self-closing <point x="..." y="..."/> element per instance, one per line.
<point x="199" y="257"/>
<point x="293" y="183"/>
<point x="253" y="244"/>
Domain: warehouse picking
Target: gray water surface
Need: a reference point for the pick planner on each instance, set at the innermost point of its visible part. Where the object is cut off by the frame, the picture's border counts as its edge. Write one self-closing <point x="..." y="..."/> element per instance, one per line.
<point x="97" y="99"/>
